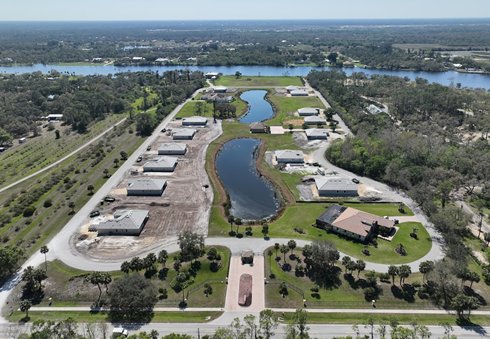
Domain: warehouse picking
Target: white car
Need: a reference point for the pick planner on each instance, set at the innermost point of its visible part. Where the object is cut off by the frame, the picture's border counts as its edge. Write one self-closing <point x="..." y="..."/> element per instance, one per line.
<point x="119" y="331"/>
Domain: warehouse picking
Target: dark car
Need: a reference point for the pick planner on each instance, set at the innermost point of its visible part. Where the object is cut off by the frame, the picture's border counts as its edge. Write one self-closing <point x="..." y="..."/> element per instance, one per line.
<point x="109" y="199"/>
<point x="94" y="214"/>
<point x="139" y="159"/>
<point x="164" y="130"/>
<point x="148" y="148"/>
<point x="354" y="180"/>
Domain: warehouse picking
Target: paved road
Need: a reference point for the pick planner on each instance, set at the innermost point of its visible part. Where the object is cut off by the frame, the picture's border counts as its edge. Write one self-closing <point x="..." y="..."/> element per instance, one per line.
<point x="57" y="162"/>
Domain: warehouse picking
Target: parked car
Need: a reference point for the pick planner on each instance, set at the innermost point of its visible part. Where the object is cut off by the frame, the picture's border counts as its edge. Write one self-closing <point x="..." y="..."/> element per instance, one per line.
<point x="164" y="130"/>
<point x="354" y="180"/>
<point x="94" y="214"/>
<point x="148" y="148"/>
<point x="109" y="199"/>
<point x="140" y="158"/>
<point x="119" y="331"/>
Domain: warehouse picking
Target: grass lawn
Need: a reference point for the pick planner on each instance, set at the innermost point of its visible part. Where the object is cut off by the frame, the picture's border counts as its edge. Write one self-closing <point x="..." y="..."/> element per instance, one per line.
<point x="405" y="319"/>
<point x="285" y="107"/>
<point x="158" y="317"/>
<point x="347" y="292"/>
<point x="190" y="109"/>
<point x="67" y="287"/>
<point x="232" y="81"/>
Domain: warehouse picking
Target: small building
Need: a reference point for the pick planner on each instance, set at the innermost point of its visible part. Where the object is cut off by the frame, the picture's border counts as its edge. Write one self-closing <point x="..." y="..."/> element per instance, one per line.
<point x="138" y="58"/>
<point x="22" y="140"/>
<point x="220" y="89"/>
<point x="183" y="133"/>
<point x="51" y="97"/>
<point x="247" y="257"/>
<point x="258" y="127"/>
<point x="299" y="93"/>
<point x="172" y="148"/>
<point x="373" y="109"/>
<point x="290" y="156"/>
<point x="211" y="75"/>
<point x="55" y="117"/>
<point x="219" y="98"/>
<point x="125" y="222"/>
<point x="146" y="187"/>
<point x="316" y="133"/>
<point x="161" y="164"/>
<point x="308" y="111"/>
<point x="194" y="121"/>
<point x="315" y="120"/>
<point x="353" y="223"/>
<point x="291" y="88"/>
<point x="335" y="187"/>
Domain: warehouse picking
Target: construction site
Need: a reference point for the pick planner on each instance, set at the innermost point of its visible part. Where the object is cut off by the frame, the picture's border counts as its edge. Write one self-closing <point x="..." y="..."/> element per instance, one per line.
<point x="184" y="204"/>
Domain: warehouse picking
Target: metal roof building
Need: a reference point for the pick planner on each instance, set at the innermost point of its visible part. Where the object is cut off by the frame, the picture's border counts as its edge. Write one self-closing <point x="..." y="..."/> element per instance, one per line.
<point x="183" y="133"/>
<point x="125" y="222"/>
<point x="194" y="121"/>
<point x="146" y="186"/>
<point x="290" y="156"/>
<point x="299" y="93"/>
<point x="335" y="187"/>
<point x="308" y="111"/>
<point x="172" y="148"/>
<point x="160" y="164"/>
<point x="316" y="133"/>
<point x="314" y="120"/>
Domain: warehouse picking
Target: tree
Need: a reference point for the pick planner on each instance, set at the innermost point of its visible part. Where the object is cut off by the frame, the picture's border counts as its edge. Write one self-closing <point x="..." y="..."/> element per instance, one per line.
<point x="297" y="328"/>
<point x="463" y="303"/>
<point x="269" y="254"/>
<point x="33" y="278"/>
<point x="208" y="289"/>
<point x="291" y="246"/>
<point x="162" y="257"/>
<point x="132" y="298"/>
<point x="267" y="323"/>
<point x="393" y="271"/>
<point x="99" y="278"/>
<point x="231" y="220"/>
<point x="90" y="189"/>
<point x="426" y="267"/>
<point x="149" y="261"/>
<point x="324" y="255"/>
<point x="283" y="289"/>
<point x="106" y="173"/>
<point x="473" y="277"/>
<point x="284" y="250"/>
<point x="24" y="306"/>
<point x="124" y="155"/>
<point x="145" y="123"/>
<point x="212" y="254"/>
<point x="44" y="250"/>
<point x="444" y="189"/>
<point x="191" y="246"/>
<point x="182" y="279"/>
<point x="71" y="205"/>
<point x="265" y="230"/>
<point x="345" y="261"/>
<point x="125" y="267"/>
<point x="404" y="272"/>
<point x="136" y="264"/>
<point x="116" y="162"/>
<point x="277" y="247"/>
<point x="370" y="324"/>
<point x="238" y="74"/>
<point x="251" y="327"/>
<point x="332" y="57"/>
<point x="360" y="266"/>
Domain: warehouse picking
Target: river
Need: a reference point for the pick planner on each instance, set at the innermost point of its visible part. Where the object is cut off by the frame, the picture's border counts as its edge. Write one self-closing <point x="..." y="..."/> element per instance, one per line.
<point x="448" y="78"/>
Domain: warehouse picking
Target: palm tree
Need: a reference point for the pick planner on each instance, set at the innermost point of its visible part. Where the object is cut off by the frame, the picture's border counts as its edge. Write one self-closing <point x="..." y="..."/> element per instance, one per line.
<point x="284" y="249"/>
<point x="25" y="305"/>
<point x="291" y="245"/>
<point x="393" y="271"/>
<point x="44" y="250"/>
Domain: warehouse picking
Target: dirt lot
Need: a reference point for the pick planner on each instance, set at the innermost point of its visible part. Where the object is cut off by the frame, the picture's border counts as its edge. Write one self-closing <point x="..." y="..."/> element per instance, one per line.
<point x="184" y="205"/>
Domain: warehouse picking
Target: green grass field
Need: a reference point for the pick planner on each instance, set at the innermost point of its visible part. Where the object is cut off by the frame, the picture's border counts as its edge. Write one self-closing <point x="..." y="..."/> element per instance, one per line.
<point x="191" y="109"/>
<point x="92" y="317"/>
<point x="272" y="81"/>
<point x="285" y="107"/>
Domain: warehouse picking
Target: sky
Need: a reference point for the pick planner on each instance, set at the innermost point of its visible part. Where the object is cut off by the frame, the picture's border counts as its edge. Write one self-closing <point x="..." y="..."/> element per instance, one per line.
<point x="68" y="10"/>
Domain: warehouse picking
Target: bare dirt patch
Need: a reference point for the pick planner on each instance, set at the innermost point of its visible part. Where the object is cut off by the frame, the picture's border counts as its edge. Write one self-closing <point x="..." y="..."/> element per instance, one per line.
<point x="184" y="205"/>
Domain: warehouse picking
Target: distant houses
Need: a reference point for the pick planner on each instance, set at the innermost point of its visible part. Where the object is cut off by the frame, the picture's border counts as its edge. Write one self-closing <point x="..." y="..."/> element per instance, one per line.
<point x="194" y="121"/>
<point x="258" y="127"/>
<point x="172" y="148"/>
<point x="54" y="117"/>
<point x="289" y="156"/>
<point x="219" y="98"/>
<point x="220" y="89"/>
<point x="211" y="75"/>
<point x="183" y="133"/>
<point x="161" y="164"/>
<point x="146" y="187"/>
<point x="355" y="224"/>
<point x="335" y="187"/>
<point x="125" y="222"/>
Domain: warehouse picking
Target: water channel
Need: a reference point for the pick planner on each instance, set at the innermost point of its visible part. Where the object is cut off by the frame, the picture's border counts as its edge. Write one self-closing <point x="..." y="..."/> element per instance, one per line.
<point x="448" y="78"/>
<point x="252" y="196"/>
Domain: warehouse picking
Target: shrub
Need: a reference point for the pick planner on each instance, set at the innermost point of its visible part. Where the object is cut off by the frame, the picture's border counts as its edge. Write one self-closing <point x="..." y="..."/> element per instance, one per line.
<point x="28" y="211"/>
